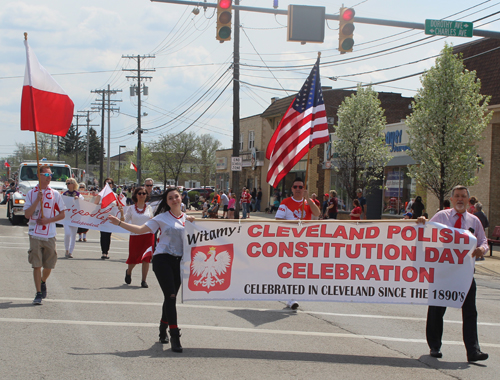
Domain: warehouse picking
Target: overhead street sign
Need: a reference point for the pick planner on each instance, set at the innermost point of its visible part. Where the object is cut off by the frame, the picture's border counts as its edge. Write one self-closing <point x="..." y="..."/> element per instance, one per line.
<point x="448" y="28"/>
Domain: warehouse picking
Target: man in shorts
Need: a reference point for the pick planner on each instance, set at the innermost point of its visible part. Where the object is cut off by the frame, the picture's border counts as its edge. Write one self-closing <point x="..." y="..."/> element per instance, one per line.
<point x="42" y="230"/>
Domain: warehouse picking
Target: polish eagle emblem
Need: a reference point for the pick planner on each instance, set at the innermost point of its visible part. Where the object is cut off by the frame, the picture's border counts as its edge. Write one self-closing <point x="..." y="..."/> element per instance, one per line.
<point x="210" y="269"/>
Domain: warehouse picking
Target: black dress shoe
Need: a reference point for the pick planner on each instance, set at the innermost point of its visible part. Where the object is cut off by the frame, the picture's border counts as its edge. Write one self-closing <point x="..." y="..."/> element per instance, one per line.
<point x="477" y="356"/>
<point x="128" y="278"/>
<point x="436" y="353"/>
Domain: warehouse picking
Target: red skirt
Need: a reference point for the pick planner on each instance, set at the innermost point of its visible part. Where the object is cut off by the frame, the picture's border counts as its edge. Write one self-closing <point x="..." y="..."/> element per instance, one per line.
<point x="137" y="245"/>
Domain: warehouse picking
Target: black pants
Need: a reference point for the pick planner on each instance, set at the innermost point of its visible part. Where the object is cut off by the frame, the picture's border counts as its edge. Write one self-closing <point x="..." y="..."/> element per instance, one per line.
<point x="167" y="269"/>
<point x="434" y="327"/>
<point x="105" y="241"/>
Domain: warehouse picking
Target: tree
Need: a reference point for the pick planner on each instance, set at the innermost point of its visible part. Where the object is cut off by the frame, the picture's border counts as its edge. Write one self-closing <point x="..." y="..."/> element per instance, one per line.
<point x="206" y="146"/>
<point x="360" y="145"/>
<point x="72" y="142"/>
<point x="449" y="116"/>
<point x="171" y="152"/>
<point x="94" y="147"/>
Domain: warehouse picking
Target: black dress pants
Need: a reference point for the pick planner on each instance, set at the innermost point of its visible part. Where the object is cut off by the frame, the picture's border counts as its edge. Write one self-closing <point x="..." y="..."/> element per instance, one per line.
<point x="105" y="241"/>
<point x="434" y="327"/>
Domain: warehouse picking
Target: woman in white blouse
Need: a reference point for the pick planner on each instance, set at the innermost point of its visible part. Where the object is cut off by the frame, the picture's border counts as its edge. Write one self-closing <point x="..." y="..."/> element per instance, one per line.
<point x="139" y="213"/>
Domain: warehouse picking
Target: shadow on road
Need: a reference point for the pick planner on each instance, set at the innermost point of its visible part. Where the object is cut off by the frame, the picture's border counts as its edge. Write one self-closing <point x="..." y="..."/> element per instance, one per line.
<point x="161" y="351"/>
<point x="258" y="317"/>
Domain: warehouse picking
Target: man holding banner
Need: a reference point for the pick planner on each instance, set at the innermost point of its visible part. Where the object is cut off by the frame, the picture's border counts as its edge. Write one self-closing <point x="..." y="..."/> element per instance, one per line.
<point x="297" y="207"/>
<point x="458" y="217"/>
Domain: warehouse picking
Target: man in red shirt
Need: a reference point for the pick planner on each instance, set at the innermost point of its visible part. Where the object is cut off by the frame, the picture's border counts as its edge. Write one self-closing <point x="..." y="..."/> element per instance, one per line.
<point x="297" y="207"/>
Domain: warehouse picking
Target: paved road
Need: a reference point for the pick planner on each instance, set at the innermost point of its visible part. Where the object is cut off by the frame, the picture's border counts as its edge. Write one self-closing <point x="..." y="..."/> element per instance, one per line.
<point x="93" y="326"/>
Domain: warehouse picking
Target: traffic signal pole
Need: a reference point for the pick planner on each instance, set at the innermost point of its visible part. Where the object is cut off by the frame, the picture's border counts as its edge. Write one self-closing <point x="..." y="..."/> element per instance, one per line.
<point x="361" y="20"/>
<point x="235" y="183"/>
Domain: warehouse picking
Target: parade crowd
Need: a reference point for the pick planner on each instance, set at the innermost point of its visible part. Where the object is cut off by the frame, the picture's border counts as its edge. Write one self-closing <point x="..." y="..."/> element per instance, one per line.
<point x="157" y="236"/>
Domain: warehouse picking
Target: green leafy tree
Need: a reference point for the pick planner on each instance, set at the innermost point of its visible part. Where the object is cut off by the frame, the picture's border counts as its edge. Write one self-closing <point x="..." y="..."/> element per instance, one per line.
<point x="449" y="116"/>
<point x="94" y="147"/>
<point x="360" y="146"/>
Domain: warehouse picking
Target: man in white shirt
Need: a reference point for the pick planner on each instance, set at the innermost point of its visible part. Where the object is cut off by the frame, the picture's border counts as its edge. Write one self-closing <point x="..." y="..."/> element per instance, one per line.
<point x="42" y="230"/>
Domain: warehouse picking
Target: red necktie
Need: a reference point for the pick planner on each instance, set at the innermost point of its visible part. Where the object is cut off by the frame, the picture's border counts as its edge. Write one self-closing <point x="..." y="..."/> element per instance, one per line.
<point x="458" y="223"/>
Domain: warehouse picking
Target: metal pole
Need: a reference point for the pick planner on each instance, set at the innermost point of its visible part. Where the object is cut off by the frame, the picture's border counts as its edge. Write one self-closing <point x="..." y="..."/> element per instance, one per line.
<point x="236" y="107"/>
<point x="101" y="161"/>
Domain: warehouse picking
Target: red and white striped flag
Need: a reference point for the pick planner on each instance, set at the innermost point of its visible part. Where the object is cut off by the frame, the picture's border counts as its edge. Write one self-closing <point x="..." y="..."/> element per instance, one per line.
<point x="107" y="196"/>
<point x="132" y="166"/>
<point x="148" y="254"/>
<point x="122" y="199"/>
<point x="302" y="127"/>
<point x="6" y="164"/>
<point x="45" y="107"/>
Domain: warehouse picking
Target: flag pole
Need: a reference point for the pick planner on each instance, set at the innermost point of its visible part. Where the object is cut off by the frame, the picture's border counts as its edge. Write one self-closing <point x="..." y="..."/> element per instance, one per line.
<point x="307" y="168"/>
<point x="28" y="63"/>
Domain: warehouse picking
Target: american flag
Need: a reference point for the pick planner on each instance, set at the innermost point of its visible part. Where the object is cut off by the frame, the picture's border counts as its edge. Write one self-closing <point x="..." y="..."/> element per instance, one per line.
<point x="302" y="127"/>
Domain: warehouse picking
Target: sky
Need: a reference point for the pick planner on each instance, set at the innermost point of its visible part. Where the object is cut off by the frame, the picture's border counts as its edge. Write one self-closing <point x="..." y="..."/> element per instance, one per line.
<point x="81" y="45"/>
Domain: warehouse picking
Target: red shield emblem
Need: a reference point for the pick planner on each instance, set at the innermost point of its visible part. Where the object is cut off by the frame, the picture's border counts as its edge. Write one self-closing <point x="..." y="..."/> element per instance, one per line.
<point x="210" y="268"/>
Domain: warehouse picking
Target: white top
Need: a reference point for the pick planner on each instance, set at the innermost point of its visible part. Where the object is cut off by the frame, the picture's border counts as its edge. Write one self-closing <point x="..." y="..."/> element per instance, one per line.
<point x="171" y="228"/>
<point x="225" y="199"/>
<point x="133" y="217"/>
<point x="52" y="205"/>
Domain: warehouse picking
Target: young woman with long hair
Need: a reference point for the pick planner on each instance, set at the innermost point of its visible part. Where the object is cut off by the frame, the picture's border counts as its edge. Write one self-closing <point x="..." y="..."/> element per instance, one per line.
<point x="167" y="257"/>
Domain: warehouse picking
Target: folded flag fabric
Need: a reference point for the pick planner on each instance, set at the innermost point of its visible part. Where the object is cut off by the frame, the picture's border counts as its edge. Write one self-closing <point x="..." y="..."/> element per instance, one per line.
<point x="107" y="196"/>
<point x="45" y="106"/>
<point x="132" y="166"/>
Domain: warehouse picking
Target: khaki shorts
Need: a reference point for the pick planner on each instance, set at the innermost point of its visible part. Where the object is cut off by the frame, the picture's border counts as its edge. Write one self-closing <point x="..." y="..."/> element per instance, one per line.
<point x="42" y="253"/>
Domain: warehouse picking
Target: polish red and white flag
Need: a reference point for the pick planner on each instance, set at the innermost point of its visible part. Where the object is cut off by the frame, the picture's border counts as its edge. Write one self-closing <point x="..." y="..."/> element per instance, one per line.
<point x="132" y="166"/>
<point x="148" y="254"/>
<point x="6" y="164"/>
<point x="45" y="106"/>
<point x="107" y="196"/>
<point x="122" y="199"/>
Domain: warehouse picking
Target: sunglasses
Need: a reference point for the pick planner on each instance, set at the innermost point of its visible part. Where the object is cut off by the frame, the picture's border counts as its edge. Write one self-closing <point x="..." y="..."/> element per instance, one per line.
<point x="68" y="183"/>
<point x="298" y="187"/>
<point x="149" y="185"/>
<point x="81" y="187"/>
<point x="46" y="174"/>
<point x="141" y="193"/>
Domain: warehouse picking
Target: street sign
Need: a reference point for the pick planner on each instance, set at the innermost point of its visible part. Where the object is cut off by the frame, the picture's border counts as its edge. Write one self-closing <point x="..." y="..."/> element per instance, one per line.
<point x="236" y="164"/>
<point x="449" y="28"/>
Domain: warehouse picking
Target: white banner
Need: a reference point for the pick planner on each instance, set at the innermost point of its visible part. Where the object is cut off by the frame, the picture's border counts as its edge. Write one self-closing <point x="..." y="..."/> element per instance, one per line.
<point x="88" y="215"/>
<point x="375" y="262"/>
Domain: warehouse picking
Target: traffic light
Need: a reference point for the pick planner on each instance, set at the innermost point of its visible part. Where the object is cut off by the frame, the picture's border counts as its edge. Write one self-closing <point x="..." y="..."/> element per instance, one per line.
<point x="224" y="16"/>
<point x="346" y="30"/>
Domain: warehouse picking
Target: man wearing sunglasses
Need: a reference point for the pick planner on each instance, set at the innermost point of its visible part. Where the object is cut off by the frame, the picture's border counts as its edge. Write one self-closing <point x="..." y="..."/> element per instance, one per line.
<point x="42" y="230"/>
<point x="297" y="207"/>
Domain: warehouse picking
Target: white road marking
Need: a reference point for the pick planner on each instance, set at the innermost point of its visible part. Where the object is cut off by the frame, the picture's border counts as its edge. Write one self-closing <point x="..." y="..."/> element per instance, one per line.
<point x="235" y="329"/>
<point x="287" y="311"/>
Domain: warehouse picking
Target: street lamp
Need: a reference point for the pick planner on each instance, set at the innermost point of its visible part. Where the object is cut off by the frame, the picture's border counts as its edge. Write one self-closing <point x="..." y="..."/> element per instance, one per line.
<point x="119" y="160"/>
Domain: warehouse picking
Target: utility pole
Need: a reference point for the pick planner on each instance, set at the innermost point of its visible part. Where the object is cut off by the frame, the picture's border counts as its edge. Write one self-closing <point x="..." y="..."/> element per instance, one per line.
<point x="136" y="90"/>
<point x="102" y="108"/>
<point x="77" y="142"/>
<point x="236" y="105"/>
<point x="88" y="141"/>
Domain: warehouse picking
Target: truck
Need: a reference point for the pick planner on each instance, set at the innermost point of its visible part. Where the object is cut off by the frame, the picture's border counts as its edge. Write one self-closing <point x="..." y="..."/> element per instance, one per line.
<point x="28" y="179"/>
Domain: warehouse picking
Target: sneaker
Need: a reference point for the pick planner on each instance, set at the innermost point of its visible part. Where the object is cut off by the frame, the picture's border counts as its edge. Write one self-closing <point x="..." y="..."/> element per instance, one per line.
<point x="38" y="299"/>
<point x="44" y="290"/>
<point x="144" y="284"/>
<point x="292" y="305"/>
